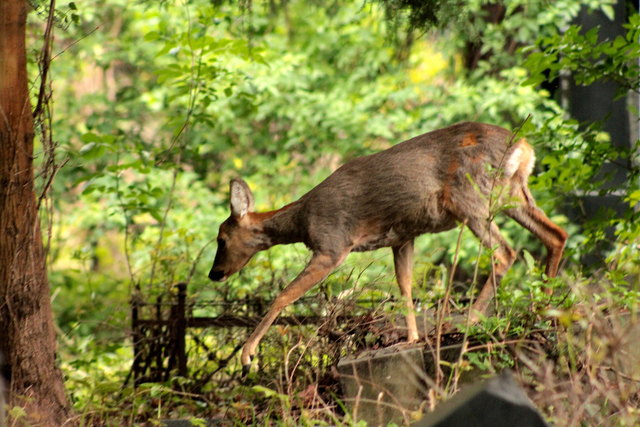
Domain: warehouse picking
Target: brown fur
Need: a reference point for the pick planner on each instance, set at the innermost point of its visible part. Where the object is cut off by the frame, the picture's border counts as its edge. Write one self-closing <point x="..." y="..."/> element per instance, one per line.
<point x="424" y="185"/>
<point x="469" y="140"/>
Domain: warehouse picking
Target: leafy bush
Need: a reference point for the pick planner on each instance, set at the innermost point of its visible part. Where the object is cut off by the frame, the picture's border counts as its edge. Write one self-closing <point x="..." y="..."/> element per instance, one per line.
<point x="161" y="105"/>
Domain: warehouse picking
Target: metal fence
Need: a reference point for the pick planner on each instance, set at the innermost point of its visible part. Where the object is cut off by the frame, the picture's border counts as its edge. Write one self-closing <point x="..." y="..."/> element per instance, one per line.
<point x="159" y="328"/>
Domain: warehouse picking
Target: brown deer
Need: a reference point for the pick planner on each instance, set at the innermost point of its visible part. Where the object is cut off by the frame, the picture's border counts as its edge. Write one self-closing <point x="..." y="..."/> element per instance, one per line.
<point x="424" y="185"/>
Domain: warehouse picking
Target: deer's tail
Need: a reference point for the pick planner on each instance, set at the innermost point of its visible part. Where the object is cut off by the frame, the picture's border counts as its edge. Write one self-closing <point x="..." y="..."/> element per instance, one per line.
<point x="518" y="165"/>
<point x="519" y="160"/>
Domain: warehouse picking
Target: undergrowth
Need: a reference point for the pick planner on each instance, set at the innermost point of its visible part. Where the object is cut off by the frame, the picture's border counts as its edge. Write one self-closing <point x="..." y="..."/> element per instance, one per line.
<point x="573" y="353"/>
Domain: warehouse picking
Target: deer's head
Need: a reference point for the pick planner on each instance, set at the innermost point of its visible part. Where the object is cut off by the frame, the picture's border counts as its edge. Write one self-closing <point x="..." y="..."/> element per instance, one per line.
<point x="239" y="237"/>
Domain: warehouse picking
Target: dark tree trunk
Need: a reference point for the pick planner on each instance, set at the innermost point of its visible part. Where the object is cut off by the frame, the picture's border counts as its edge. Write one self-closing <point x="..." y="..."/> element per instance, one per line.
<point x="27" y="338"/>
<point x="473" y="53"/>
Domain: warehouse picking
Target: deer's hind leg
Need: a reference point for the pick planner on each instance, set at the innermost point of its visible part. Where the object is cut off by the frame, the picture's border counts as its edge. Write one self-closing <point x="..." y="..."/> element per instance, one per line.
<point x="502" y="258"/>
<point x="403" y="262"/>
<point x="551" y="235"/>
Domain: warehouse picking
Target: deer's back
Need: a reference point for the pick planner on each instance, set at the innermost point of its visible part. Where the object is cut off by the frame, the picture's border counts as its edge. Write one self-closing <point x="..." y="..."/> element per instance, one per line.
<point x="391" y="196"/>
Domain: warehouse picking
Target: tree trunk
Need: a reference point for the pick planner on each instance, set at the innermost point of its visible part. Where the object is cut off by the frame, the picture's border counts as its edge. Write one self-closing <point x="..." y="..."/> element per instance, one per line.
<point x="27" y="340"/>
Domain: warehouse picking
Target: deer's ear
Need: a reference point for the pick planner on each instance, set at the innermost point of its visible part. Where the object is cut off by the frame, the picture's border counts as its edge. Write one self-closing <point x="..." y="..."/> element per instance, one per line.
<point x="241" y="198"/>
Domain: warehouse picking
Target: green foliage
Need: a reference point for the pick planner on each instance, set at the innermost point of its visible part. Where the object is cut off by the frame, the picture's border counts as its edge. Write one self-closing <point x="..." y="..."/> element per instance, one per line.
<point x="575" y="165"/>
<point x="159" y="105"/>
<point x="496" y="26"/>
<point x="588" y="58"/>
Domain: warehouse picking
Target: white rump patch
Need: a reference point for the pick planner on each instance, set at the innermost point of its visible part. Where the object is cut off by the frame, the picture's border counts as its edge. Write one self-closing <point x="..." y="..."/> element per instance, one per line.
<point x="517" y="159"/>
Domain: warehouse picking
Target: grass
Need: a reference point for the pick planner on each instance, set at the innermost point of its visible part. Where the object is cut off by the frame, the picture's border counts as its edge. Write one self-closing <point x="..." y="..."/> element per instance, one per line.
<point x="573" y="354"/>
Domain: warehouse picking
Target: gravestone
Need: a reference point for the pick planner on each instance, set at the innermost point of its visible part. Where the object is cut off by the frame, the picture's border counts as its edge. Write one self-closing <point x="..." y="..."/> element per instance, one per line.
<point x="497" y="402"/>
<point x="185" y="422"/>
<point x="627" y="356"/>
<point x="384" y="386"/>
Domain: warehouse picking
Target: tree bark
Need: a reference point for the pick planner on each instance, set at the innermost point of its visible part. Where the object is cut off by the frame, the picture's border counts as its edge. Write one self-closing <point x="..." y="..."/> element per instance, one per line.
<point x="27" y="337"/>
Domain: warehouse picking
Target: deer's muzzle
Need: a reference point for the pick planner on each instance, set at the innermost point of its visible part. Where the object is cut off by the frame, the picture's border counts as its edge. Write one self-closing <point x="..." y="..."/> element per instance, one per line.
<point x="217" y="275"/>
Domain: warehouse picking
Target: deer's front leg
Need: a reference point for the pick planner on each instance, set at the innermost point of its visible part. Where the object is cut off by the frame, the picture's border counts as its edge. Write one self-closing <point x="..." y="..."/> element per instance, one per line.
<point x="318" y="268"/>
<point x="403" y="261"/>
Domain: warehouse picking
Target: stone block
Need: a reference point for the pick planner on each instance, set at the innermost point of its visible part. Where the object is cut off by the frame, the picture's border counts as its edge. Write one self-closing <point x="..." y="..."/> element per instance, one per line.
<point x="210" y="422"/>
<point x="497" y="402"/>
<point x="384" y="386"/>
<point x="627" y="357"/>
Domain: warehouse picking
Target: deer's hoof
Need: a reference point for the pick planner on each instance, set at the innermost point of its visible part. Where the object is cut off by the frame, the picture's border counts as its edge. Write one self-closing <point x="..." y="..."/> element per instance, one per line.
<point x="245" y="370"/>
<point x="246" y="367"/>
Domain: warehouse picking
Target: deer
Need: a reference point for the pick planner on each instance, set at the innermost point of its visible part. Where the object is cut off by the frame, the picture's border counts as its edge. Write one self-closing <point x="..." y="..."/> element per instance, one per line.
<point x="427" y="184"/>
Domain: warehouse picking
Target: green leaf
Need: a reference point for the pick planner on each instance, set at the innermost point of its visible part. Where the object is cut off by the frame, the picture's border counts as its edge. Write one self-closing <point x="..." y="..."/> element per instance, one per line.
<point x="157" y="215"/>
<point x="608" y="10"/>
<point x="592" y="35"/>
<point x="17" y="412"/>
<point x="86" y="177"/>
<point x="90" y="137"/>
<point x="266" y="391"/>
<point x="92" y="150"/>
<point x="619" y="42"/>
<point x="634" y="198"/>
<point x="108" y="387"/>
<point x="198" y="422"/>
<point x="152" y="36"/>
<point x="529" y="260"/>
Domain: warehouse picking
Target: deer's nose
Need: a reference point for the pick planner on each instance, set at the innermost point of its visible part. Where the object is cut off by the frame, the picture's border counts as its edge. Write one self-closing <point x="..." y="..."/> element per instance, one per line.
<point x="216" y="275"/>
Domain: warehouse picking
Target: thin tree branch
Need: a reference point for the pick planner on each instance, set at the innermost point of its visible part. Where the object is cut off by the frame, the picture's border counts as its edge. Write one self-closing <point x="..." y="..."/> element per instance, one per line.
<point x="45" y="60"/>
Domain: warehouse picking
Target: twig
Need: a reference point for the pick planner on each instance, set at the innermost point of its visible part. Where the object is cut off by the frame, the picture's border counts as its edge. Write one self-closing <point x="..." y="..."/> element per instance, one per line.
<point x="75" y="42"/>
<point x="443" y="308"/>
<point x="45" y="59"/>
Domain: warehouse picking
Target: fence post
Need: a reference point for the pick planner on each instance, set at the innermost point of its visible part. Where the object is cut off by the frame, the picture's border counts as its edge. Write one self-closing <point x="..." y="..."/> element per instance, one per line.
<point x="181" y="329"/>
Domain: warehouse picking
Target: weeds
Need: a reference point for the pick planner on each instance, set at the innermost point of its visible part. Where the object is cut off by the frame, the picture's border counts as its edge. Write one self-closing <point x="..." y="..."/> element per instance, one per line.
<point x="575" y="355"/>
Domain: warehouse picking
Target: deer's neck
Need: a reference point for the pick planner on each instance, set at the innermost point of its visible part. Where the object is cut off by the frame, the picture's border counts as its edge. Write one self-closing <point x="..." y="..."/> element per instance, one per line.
<point x="281" y="226"/>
